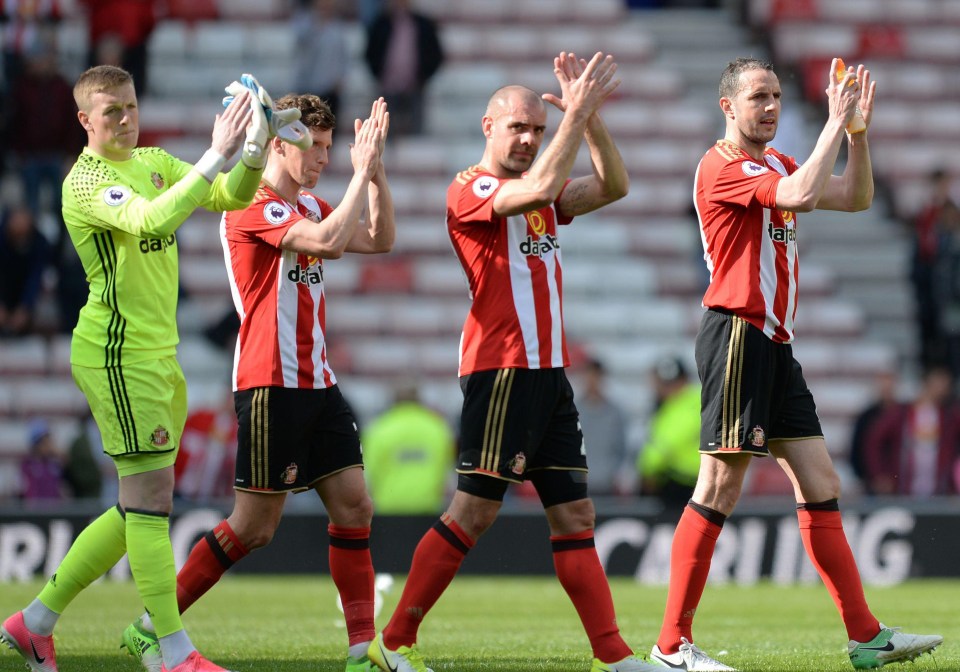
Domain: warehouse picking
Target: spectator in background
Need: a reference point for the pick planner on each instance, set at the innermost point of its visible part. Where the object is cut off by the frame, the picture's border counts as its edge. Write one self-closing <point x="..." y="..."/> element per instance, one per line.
<point x="322" y="55"/>
<point x="670" y="460"/>
<point x="132" y="21"/>
<point x="43" y="132"/>
<point x="87" y="438"/>
<point x="408" y="453"/>
<point x="23" y="25"/>
<point x="946" y="287"/>
<point x="82" y="470"/>
<point x="927" y="231"/>
<point x="403" y="53"/>
<point x="368" y="11"/>
<point x="24" y="254"/>
<point x="42" y="469"/>
<point x="208" y="449"/>
<point x="885" y="399"/>
<point x="604" y="435"/>
<point x="914" y="448"/>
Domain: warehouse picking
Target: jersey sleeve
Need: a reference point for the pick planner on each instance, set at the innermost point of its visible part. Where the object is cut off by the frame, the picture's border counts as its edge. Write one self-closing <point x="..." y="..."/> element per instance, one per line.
<point x="742" y="182"/>
<point x="265" y="219"/>
<point x="561" y="218"/>
<point x="233" y="190"/>
<point x="107" y="196"/>
<point x="470" y="197"/>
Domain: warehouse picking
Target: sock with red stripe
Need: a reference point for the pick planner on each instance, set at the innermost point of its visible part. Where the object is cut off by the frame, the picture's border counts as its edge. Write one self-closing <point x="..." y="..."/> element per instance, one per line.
<point x="210" y="558"/>
<point x="690" y="558"/>
<point x="435" y="563"/>
<point x="821" y="529"/>
<point x="581" y="575"/>
<point x="351" y="569"/>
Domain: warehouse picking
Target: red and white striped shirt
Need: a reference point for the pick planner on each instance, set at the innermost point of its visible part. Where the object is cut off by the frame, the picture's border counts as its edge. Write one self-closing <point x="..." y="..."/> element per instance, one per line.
<point x="749" y="245"/>
<point x="278" y="295"/>
<point x="513" y="268"/>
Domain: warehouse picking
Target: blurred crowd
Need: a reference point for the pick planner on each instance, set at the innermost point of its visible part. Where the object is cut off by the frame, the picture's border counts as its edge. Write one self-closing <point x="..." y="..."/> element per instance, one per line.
<point x="905" y="442"/>
<point x="41" y="137"/>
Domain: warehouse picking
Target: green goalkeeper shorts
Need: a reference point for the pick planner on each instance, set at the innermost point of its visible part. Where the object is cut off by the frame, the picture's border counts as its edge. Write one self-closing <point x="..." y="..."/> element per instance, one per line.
<point x="140" y="409"/>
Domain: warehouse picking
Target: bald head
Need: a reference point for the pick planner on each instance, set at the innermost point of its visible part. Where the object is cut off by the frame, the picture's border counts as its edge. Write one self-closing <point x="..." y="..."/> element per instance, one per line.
<point x="513" y="124"/>
<point x="510" y="98"/>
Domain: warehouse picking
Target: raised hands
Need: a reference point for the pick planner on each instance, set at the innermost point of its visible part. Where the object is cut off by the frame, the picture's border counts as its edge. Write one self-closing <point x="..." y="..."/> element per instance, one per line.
<point x="230" y="127"/>
<point x="378" y="112"/>
<point x="868" y="90"/>
<point x="851" y="91"/>
<point x="584" y="85"/>
<point x="370" y="137"/>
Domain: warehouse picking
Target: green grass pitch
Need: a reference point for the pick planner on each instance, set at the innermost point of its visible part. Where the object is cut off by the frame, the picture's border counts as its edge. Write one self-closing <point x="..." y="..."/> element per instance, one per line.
<point x="291" y="624"/>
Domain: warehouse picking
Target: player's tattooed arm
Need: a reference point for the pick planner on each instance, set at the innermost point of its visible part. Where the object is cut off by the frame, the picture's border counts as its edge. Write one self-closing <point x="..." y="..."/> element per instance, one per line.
<point x="609" y="181"/>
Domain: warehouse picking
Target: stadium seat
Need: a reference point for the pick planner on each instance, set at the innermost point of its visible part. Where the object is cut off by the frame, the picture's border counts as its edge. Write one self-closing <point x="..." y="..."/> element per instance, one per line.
<point x="606" y="12"/>
<point x="418" y="318"/>
<point x="880" y="41"/>
<point x="590" y="234"/>
<point x="384" y="356"/>
<point x="933" y="43"/>
<point x="463" y="41"/>
<point x="252" y="10"/>
<point x="765" y="478"/>
<point x="675" y="239"/>
<point x="192" y="10"/>
<point x="202" y="275"/>
<point x="781" y="10"/>
<point x="219" y="40"/>
<point x="342" y="276"/>
<point x="356" y="316"/>
<point x="25" y="355"/>
<point x="170" y="40"/>
<point x="840" y="398"/>
<point x="367" y="395"/>
<point x="47" y="396"/>
<point x="796" y="41"/>
<point x="489" y="11"/>
<point x="393" y="275"/>
<point x="439" y="276"/>
<point x="59" y="362"/>
<point x="418" y="156"/>
<point x="204" y="360"/>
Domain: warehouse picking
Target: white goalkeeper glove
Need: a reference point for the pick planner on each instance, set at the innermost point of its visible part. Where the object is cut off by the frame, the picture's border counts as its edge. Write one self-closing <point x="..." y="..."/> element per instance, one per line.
<point x="283" y="123"/>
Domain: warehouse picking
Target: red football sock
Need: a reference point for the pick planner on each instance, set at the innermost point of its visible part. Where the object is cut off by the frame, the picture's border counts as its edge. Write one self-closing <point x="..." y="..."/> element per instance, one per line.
<point x="210" y="558"/>
<point x="435" y="563"/>
<point x="581" y="575"/>
<point x="352" y="571"/>
<point x="690" y="557"/>
<point x="828" y="549"/>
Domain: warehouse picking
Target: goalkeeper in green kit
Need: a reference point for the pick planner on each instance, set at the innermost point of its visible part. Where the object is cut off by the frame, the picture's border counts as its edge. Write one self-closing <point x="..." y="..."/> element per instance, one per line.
<point x="122" y="206"/>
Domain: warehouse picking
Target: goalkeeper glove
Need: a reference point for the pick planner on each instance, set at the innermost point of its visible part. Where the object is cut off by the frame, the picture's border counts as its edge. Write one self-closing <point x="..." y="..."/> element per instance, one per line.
<point x="283" y="123"/>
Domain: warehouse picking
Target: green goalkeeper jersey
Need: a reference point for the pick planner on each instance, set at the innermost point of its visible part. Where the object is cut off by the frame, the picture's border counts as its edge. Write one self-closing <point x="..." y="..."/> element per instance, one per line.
<point x="122" y="217"/>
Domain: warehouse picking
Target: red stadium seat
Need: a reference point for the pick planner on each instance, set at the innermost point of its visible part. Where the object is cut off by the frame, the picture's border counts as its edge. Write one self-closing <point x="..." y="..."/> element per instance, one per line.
<point x="389" y="276"/>
<point x="192" y="10"/>
<point x="793" y="9"/>
<point x="880" y="41"/>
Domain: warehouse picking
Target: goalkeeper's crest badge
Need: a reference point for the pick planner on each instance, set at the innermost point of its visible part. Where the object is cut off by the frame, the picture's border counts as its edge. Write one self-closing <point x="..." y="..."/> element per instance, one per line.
<point x="160" y="436"/>
<point x="157" y="179"/>
<point x="116" y="195"/>
<point x="276" y="213"/>
<point x="518" y="464"/>
<point x="289" y="475"/>
<point x="757" y="437"/>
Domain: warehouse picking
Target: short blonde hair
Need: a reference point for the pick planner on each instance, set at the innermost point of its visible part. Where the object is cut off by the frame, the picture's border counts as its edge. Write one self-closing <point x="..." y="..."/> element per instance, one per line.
<point x="98" y="79"/>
